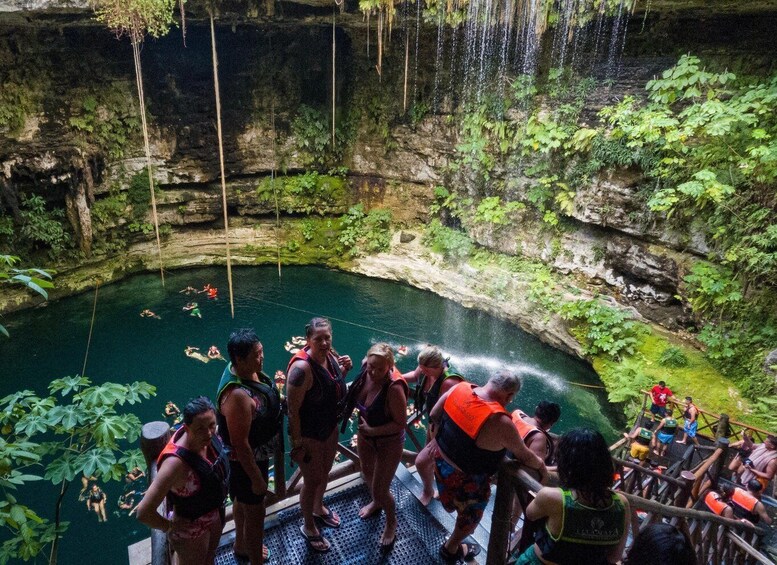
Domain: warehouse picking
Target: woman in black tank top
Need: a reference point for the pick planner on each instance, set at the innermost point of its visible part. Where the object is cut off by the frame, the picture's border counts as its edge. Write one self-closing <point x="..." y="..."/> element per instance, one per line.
<point x="315" y="385"/>
<point x="382" y="402"/>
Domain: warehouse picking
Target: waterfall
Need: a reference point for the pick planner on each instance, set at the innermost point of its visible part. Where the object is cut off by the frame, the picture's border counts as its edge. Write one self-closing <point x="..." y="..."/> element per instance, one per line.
<point x="491" y="41"/>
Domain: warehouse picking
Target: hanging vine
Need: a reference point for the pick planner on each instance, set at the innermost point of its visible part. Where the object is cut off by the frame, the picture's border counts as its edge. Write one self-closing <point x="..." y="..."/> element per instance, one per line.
<point x="135" y="19"/>
<point x="221" y="158"/>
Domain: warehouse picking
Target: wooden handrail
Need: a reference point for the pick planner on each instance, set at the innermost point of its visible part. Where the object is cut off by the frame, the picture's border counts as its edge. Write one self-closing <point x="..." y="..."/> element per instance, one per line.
<point x="703" y="528"/>
<point x="747" y="548"/>
<point x="678" y="404"/>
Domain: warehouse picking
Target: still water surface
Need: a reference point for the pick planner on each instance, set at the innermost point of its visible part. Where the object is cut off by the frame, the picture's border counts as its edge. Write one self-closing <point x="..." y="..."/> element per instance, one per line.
<point x="51" y="342"/>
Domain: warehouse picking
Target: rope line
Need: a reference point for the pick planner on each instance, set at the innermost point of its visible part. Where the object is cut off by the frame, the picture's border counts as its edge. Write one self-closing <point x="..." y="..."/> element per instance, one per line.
<point x="404" y="337"/>
<point x="91" y="327"/>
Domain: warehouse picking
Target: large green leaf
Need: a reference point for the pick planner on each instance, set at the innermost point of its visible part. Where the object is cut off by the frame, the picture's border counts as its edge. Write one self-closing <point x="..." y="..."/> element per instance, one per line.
<point x="66" y="385"/>
<point x="98" y="460"/>
<point x="66" y="416"/>
<point x="63" y="468"/>
<point x="105" y="394"/>
<point x="30" y="425"/>
<point x="109" y="429"/>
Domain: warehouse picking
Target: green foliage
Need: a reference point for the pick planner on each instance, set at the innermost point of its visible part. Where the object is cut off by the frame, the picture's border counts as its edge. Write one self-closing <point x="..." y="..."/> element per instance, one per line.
<point x="312" y="131"/>
<point x="706" y="140"/>
<point x="139" y="195"/>
<point x="365" y="232"/>
<point x="490" y="210"/>
<point x="106" y="118"/>
<point x="454" y="245"/>
<point x="603" y="330"/>
<point x="309" y="192"/>
<point x="78" y="429"/>
<point x="43" y="229"/>
<point x="136" y="17"/>
<point x="17" y="102"/>
<point x="37" y="280"/>
<point x="673" y="357"/>
<point x="448" y="203"/>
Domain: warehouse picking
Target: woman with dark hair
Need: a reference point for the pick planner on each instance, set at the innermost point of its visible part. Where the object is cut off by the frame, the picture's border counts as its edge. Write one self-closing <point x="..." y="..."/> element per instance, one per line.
<point x="585" y="521"/>
<point x="380" y="394"/>
<point x="661" y="544"/>
<point x="315" y="388"/>
<point x="193" y="474"/>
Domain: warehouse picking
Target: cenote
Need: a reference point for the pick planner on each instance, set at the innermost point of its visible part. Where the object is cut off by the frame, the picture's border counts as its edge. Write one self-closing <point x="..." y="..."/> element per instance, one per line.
<point x="51" y="342"/>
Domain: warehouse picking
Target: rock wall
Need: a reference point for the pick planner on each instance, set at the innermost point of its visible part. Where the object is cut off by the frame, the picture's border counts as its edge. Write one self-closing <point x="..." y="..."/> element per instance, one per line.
<point x="71" y="71"/>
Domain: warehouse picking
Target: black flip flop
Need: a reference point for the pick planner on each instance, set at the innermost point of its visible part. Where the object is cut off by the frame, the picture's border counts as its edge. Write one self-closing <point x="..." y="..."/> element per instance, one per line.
<point x="386" y="547"/>
<point x="473" y="550"/>
<point x="314" y="539"/>
<point x="327" y="519"/>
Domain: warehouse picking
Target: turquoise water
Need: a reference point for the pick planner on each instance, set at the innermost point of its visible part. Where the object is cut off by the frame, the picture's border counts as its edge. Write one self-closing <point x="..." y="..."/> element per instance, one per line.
<point x="51" y="342"/>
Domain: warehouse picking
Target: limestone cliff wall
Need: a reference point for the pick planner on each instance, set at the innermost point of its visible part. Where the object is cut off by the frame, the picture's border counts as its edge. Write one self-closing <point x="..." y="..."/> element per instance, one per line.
<point x="73" y="71"/>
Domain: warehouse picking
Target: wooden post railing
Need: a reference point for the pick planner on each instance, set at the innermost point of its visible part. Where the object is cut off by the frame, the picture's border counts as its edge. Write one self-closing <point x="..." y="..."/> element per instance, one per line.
<point x="153" y="438"/>
<point x="717" y="425"/>
<point x="715" y="539"/>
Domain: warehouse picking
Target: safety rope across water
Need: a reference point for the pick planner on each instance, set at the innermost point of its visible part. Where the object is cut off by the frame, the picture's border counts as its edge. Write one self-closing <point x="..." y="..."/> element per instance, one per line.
<point x="91" y="327"/>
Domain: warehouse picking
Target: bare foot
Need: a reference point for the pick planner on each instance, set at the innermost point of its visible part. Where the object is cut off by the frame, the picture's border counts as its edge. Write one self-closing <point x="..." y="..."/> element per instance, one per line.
<point x="426" y="497"/>
<point x="368" y="511"/>
<point x="389" y="535"/>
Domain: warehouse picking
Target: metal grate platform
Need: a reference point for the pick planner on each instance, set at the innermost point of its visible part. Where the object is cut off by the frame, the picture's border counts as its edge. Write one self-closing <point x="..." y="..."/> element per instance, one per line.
<point x="419" y="534"/>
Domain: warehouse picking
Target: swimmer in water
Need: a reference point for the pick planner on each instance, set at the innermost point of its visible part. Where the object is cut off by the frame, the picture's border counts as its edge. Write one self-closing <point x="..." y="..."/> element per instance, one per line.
<point x="149" y="314"/>
<point x="194" y="353"/>
<point x="214" y="353"/>
<point x="96" y="502"/>
<point x="188" y="290"/>
<point x="193" y="309"/>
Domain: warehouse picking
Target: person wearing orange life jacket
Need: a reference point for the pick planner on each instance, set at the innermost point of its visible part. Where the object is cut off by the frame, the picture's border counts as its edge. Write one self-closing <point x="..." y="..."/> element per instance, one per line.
<point x="718" y="503"/>
<point x="534" y="430"/>
<point x="193" y="475"/>
<point x="534" y="433"/>
<point x="474" y="434"/>
<point x="746" y="504"/>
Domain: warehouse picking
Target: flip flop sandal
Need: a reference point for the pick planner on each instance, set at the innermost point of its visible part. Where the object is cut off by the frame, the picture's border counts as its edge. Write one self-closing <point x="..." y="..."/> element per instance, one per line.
<point x="315" y="539"/>
<point x="244" y="558"/>
<point x="386" y="547"/>
<point x="330" y="519"/>
<point x="473" y="550"/>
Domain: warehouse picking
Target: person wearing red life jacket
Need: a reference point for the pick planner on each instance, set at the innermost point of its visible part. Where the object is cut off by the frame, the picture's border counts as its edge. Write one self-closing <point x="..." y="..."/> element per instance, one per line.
<point x="193" y="475"/>
<point x="316" y="389"/>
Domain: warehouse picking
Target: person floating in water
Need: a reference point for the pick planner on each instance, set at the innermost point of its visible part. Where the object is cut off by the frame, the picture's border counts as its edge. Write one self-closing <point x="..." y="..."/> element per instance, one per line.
<point x="85" y="481"/>
<point x="188" y="290"/>
<point x="149" y="314"/>
<point x="194" y="353"/>
<point x="96" y="502"/>
<point x="211" y="291"/>
<point x="193" y="309"/>
<point x="171" y="410"/>
<point x="137" y="473"/>
<point x="214" y="353"/>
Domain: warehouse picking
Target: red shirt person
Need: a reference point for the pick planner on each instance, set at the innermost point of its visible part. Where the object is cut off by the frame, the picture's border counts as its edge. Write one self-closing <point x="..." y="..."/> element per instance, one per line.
<point x="660" y="394"/>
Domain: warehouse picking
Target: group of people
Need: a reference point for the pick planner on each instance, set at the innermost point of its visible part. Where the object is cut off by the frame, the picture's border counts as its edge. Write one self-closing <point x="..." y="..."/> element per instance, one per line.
<point x="224" y="447"/>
